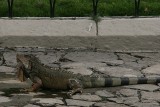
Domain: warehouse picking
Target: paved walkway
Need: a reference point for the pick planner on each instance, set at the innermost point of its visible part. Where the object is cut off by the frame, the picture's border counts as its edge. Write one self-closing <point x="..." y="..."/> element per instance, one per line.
<point x="86" y="62"/>
<point x="116" y="47"/>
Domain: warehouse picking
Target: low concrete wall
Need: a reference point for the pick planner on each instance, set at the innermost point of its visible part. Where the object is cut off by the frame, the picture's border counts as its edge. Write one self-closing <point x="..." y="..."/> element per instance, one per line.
<point x="110" y="34"/>
<point x="48" y="27"/>
<point x="130" y="27"/>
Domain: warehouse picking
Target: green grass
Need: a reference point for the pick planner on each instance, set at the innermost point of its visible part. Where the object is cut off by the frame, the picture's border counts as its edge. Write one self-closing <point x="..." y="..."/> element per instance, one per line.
<point x="79" y="8"/>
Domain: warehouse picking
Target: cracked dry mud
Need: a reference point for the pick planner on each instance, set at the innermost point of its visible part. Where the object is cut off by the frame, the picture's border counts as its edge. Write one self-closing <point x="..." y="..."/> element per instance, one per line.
<point x="86" y="62"/>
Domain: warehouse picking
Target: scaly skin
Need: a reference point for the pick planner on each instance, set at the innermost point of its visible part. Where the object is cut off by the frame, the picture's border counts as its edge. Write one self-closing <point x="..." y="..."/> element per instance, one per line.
<point x="28" y="66"/>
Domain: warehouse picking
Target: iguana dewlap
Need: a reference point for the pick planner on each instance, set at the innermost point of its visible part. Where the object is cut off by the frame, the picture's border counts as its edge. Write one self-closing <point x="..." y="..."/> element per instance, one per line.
<point x="28" y="66"/>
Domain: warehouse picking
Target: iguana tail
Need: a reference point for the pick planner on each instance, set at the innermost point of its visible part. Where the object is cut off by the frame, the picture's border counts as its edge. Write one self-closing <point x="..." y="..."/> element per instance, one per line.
<point x="93" y="82"/>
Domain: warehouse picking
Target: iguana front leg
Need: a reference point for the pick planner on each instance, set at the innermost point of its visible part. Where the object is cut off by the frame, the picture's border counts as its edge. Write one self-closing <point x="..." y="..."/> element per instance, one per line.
<point x="20" y="72"/>
<point x="76" y="87"/>
<point x="37" y="83"/>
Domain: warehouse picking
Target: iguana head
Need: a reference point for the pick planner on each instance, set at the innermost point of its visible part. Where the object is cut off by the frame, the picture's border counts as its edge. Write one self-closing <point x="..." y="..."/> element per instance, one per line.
<point x="23" y="66"/>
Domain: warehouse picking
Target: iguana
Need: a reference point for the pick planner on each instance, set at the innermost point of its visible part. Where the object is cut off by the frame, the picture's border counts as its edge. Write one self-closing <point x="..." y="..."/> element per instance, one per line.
<point x="29" y="66"/>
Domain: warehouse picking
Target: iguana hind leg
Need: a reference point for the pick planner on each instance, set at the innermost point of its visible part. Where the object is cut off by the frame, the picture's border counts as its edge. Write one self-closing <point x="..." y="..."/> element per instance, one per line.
<point x="75" y="86"/>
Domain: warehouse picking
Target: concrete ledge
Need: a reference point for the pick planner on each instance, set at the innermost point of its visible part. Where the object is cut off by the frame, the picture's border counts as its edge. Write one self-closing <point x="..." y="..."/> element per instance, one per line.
<point x="130" y="27"/>
<point x="44" y="27"/>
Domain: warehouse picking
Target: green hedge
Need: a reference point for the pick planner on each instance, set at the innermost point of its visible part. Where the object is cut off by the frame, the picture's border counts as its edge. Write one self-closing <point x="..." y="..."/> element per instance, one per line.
<point x="79" y="8"/>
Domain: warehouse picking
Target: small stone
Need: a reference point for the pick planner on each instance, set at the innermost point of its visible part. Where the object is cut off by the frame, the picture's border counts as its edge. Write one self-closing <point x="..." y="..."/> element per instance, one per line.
<point x="47" y="101"/>
<point x="118" y="71"/>
<point x="131" y="100"/>
<point x="134" y="65"/>
<point x="86" y="97"/>
<point x="71" y="102"/>
<point x="127" y="92"/>
<point x="125" y="100"/>
<point x="7" y="69"/>
<point x="104" y="93"/>
<point x="146" y="87"/>
<point x="147" y="62"/>
<point x="152" y="70"/>
<point x="152" y="96"/>
<point x="140" y="104"/>
<point x="4" y="99"/>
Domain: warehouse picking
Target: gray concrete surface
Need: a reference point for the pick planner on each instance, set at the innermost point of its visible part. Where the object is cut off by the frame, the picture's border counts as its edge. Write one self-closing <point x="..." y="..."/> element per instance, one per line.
<point x="130" y="27"/>
<point x="115" y="64"/>
<point x="47" y="27"/>
<point x="116" y="47"/>
<point x="115" y="34"/>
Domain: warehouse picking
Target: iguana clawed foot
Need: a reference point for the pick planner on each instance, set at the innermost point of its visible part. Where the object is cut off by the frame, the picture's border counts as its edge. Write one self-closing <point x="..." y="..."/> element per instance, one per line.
<point x="75" y="86"/>
<point x="26" y="90"/>
<point x="74" y="91"/>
